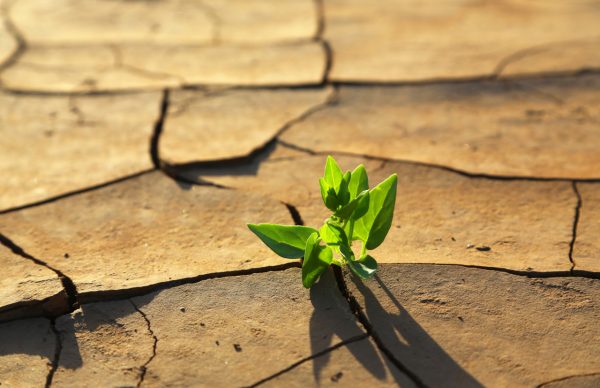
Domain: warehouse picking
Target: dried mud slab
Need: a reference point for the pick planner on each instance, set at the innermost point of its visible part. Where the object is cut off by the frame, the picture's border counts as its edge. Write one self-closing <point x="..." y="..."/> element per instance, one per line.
<point x="424" y="40"/>
<point x="55" y="144"/>
<point x="107" y="340"/>
<point x="87" y="46"/>
<point x="27" y="288"/>
<point x="26" y="352"/>
<point x="146" y="230"/>
<point x="441" y="217"/>
<point x="543" y="128"/>
<point x="586" y="250"/>
<point x="358" y="364"/>
<point x="207" y="125"/>
<point x="244" y="329"/>
<point x="175" y="22"/>
<point x="472" y="326"/>
<point x="133" y="67"/>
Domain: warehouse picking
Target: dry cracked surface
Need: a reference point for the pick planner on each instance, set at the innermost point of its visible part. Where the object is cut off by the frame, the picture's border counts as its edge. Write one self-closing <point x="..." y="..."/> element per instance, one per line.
<point x="477" y="327"/>
<point x="139" y="138"/>
<point x="94" y="138"/>
<point x="160" y="44"/>
<point x="544" y="128"/>
<point x="99" y="238"/>
<point x="460" y="39"/>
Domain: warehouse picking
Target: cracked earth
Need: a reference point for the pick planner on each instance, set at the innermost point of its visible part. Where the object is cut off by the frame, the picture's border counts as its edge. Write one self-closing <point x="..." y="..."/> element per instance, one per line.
<point x="139" y="138"/>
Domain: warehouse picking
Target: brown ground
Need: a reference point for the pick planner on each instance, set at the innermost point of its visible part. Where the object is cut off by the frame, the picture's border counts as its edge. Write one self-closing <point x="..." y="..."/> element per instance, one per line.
<point x="139" y="137"/>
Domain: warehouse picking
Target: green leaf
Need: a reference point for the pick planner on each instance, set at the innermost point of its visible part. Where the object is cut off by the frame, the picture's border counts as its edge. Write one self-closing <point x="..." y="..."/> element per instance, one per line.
<point x="329" y="197"/>
<point x="363" y="205"/>
<point x="333" y="234"/>
<point x="343" y="194"/>
<point x="363" y="268"/>
<point x="316" y="260"/>
<point x="375" y="224"/>
<point x="359" y="181"/>
<point x="333" y="174"/>
<point x="356" y="208"/>
<point x="286" y="241"/>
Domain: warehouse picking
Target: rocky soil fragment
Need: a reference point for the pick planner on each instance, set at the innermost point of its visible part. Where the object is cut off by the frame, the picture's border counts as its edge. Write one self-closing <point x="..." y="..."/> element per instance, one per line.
<point x="26" y="352"/>
<point x="543" y="128"/>
<point x="586" y="250"/>
<point x="473" y="326"/>
<point x="428" y="40"/>
<point x="208" y="125"/>
<point x="146" y="230"/>
<point x="94" y="138"/>
<point x="27" y="288"/>
<point x="108" y="340"/>
<point x="440" y="217"/>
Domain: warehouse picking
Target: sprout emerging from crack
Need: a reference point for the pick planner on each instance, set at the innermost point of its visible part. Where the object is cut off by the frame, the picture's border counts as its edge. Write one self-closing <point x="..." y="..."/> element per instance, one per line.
<point x="359" y="214"/>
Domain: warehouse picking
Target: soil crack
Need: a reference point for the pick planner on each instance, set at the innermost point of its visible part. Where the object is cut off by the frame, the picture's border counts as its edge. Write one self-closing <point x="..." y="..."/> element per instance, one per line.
<point x="467" y="174"/>
<point x="57" y="351"/>
<point x="364" y="321"/>
<point x="144" y="367"/>
<point x="295" y="214"/>
<point x="67" y="283"/>
<point x="320" y="37"/>
<point x="567" y="378"/>
<point x="575" y="225"/>
<point x="76" y="192"/>
<point x="312" y="356"/>
<point x="111" y="295"/>
<point x="158" y="129"/>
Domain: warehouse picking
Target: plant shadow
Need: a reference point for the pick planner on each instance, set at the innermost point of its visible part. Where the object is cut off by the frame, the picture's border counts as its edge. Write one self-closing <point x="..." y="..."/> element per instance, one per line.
<point x="35" y="336"/>
<point x="331" y="320"/>
<point x="409" y="342"/>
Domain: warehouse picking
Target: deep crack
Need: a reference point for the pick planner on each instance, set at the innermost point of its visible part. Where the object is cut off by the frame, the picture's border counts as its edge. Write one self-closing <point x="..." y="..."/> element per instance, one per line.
<point x="311" y="357"/>
<point x="158" y="129"/>
<point x="67" y="283"/>
<point x="319" y="37"/>
<point x="57" y="352"/>
<point x="295" y="214"/>
<point x="364" y="321"/>
<point x="100" y="296"/>
<point x="144" y="367"/>
<point x="464" y="173"/>
<point x="575" y="225"/>
<point x="75" y="192"/>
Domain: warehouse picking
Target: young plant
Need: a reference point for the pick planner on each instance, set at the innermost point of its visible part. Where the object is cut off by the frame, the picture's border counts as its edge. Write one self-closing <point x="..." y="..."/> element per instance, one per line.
<point x="359" y="214"/>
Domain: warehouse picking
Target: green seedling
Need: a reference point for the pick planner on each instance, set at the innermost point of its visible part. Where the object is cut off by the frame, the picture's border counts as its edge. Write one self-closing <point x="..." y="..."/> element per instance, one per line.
<point x="359" y="214"/>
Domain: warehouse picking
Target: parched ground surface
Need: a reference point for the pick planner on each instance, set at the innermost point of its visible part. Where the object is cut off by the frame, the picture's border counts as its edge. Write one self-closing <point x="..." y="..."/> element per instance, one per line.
<point x="137" y="138"/>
